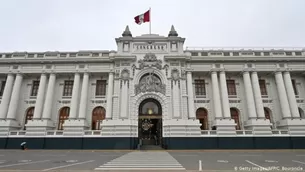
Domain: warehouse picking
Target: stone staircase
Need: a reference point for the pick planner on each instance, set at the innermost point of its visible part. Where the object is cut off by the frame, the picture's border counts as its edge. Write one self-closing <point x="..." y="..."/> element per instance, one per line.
<point x="151" y="147"/>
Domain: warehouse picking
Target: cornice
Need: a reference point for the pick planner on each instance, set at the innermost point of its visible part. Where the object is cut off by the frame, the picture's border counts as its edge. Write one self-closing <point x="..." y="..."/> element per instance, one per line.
<point x="55" y="60"/>
<point x="243" y="59"/>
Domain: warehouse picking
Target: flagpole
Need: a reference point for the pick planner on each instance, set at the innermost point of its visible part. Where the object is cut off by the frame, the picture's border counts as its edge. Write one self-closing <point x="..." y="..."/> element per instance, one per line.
<point x="149" y="20"/>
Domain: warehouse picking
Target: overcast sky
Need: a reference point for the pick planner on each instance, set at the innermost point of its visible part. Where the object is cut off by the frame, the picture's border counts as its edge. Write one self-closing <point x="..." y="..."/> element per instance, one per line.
<point x="69" y="25"/>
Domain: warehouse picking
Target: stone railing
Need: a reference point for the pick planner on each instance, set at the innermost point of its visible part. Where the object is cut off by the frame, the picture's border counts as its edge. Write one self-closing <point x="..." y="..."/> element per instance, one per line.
<point x="98" y="133"/>
<point x="248" y="133"/>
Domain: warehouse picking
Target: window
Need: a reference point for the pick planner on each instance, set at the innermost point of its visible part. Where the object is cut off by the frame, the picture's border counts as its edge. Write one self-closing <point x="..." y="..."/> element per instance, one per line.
<point x="194" y="54"/>
<point x="2" y="87"/>
<point x="202" y="116"/>
<point x="98" y="115"/>
<point x="231" y="87"/>
<point x="294" y="85"/>
<point x="288" y="53"/>
<point x="100" y="88"/>
<point x="266" y="53"/>
<point x="35" y="87"/>
<point x="29" y="116"/>
<point x="262" y="86"/>
<point x="68" y="87"/>
<point x="226" y="54"/>
<point x="298" y="53"/>
<point x="235" y="53"/>
<point x="63" y="116"/>
<point x="200" y="87"/>
<point x="257" y="53"/>
<point x="204" y="53"/>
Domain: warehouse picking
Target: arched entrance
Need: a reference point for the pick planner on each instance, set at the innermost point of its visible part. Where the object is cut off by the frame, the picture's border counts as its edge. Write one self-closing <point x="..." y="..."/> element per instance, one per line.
<point x="150" y="122"/>
<point x="98" y="115"/>
<point x="202" y="116"/>
<point x="235" y="116"/>
<point x="63" y="116"/>
<point x="267" y="112"/>
<point x="28" y="116"/>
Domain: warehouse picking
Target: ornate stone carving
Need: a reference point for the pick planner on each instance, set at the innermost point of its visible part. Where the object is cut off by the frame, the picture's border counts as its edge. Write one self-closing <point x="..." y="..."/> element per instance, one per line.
<point x="175" y="74"/>
<point x="150" y="60"/>
<point x="125" y="74"/>
<point x="150" y="83"/>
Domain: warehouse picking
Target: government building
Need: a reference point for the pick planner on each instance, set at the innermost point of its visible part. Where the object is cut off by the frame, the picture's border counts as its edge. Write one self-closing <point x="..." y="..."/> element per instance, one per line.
<point x="152" y="91"/>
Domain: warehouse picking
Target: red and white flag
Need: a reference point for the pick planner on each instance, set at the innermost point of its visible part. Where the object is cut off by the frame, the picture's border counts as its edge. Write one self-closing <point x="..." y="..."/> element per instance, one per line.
<point x="143" y="18"/>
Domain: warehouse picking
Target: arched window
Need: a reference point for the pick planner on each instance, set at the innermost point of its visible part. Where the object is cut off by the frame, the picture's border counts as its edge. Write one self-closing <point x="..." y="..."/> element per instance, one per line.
<point x="267" y="112"/>
<point x="202" y="116"/>
<point x="98" y="115"/>
<point x="301" y="112"/>
<point x="63" y="115"/>
<point x="235" y="115"/>
<point x="29" y="115"/>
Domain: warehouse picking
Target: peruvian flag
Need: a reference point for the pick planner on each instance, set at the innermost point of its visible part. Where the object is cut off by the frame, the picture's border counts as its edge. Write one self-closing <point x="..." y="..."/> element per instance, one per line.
<point x="142" y="18"/>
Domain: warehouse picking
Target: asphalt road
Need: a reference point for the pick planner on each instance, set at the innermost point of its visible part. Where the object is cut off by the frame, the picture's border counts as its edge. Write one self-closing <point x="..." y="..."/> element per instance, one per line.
<point x="95" y="160"/>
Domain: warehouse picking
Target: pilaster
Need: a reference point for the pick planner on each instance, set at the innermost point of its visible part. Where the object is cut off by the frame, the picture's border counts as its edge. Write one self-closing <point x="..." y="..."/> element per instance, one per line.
<point x="10" y="123"/>
<point x="191" y="107"/>
<point x="109" y="95"/>
<point x="291" y="95"/>
<point x="216" y="96"/>
<point x="282" y="95"/>
<point x="6" y="95"/>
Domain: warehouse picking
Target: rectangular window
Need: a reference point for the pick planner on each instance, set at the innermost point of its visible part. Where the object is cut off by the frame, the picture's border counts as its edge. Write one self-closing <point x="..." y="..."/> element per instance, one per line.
<point x="68" y="87"/>
<point x="35" y="88"/>
<point x="2" y="87"/>
<point x="231" y="87"/>
<point x="294" y="85"/>
<point x="100" y="88"/>
<point x="200" y="87"/>
<point x="262" y="86"/>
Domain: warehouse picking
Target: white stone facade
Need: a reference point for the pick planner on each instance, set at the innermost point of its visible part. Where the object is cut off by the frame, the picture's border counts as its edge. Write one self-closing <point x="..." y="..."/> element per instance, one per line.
<point x="283" y="72"/>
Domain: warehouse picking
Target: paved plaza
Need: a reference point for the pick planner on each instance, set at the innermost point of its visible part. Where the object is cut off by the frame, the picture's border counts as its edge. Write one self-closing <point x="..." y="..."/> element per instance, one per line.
<point x="199" y="160"/>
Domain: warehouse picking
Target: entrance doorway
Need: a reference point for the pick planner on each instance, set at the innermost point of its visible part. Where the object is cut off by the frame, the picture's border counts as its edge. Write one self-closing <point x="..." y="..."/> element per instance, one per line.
<point x="150" y="122"/>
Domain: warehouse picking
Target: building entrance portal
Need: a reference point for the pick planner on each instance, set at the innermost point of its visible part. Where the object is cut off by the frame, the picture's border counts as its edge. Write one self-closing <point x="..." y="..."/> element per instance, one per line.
<point x="150" y="122"/>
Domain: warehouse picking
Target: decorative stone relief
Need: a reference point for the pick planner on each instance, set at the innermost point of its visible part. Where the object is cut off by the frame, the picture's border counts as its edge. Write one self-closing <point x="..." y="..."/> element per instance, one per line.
<point x="175" y="74"/>
<point x="166" y="69"/>
<point x="175" y="77"/>
<point x="125" y="76"/>
<point x="150" y="60"/>
<point x="133" y="69"/>
<point x="150" y="83"/>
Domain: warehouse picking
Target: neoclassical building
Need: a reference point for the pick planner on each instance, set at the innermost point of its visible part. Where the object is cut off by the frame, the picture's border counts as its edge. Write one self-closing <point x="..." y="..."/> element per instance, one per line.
<point x="152" y="91"/>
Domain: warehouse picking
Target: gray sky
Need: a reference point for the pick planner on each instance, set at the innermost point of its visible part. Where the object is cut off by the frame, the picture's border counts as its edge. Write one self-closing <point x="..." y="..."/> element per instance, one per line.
<point x="49" y="25"/>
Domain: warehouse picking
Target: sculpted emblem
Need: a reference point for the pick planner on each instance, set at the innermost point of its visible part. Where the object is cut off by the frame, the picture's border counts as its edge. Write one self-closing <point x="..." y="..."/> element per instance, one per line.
<point x="150" y="60"/>
<point x="125" y="74"/>
<point x="175" y="74"/>
<point x="150" y="83"/>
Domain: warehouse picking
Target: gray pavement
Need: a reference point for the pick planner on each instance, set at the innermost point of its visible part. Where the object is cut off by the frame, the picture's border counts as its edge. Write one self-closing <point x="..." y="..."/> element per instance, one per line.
<point x="199" y="160"/>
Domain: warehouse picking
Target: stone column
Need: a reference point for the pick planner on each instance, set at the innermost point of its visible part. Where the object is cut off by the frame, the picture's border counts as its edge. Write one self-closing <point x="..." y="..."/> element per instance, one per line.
<point x="84" y="97"/>
<point x="15" y="97"/>
<point x="124" y="99"/>
<point x="257" y="96"/>
<point x="40" y="97"/>
<point x="109" y="96"/>
<point x="216" y="97"/>
<point x="176" y="99"/>
<point x="75" y="94"/>
<point x="291" y="96"/>
<point x="282" y="95"/>
<point x="47" y="108"/>
<point x="6" y="96"/>
<point x="190" y="93"/>
<point x="249" y="95"/>
<point x="224" y="95"/>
